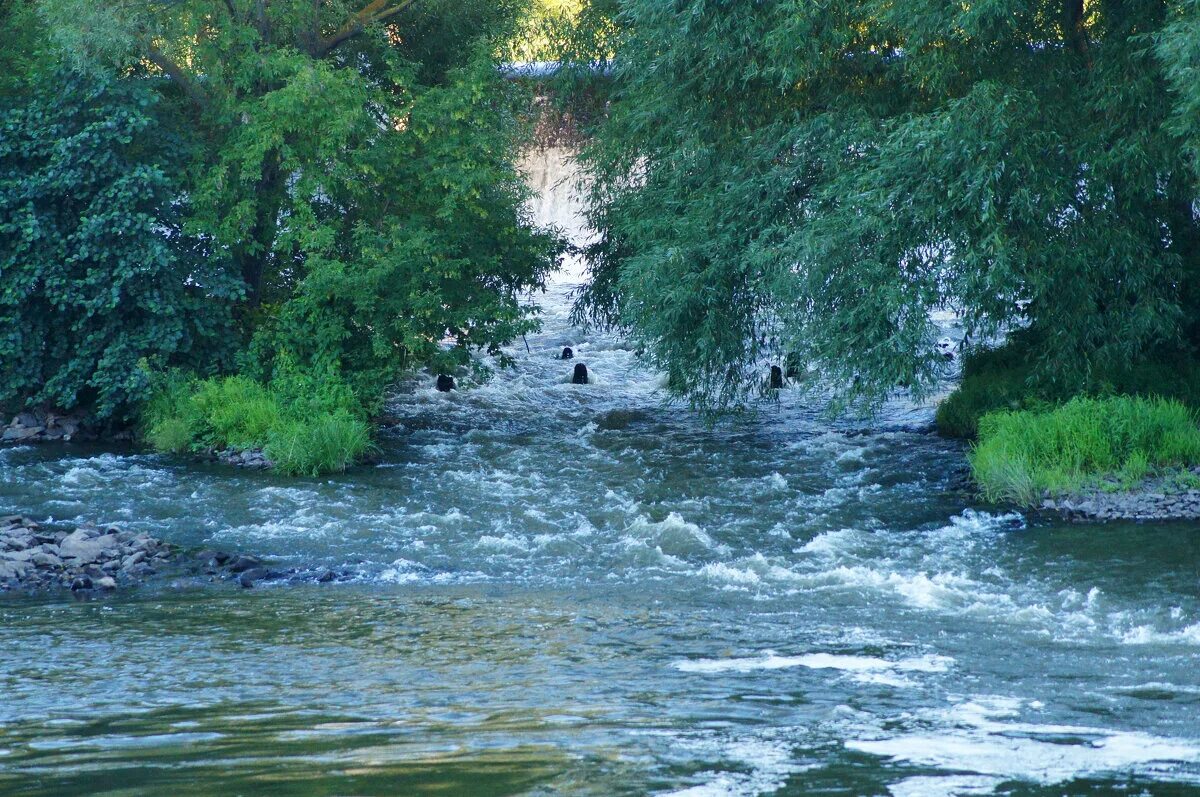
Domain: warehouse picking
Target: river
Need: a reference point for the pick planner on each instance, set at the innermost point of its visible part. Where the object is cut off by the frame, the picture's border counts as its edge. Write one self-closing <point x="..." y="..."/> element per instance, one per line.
<point x="566" y="589"/>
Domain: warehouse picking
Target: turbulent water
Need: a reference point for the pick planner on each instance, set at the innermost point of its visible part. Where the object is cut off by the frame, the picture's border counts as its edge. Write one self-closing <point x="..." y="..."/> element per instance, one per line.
<point x="566" y="589"/>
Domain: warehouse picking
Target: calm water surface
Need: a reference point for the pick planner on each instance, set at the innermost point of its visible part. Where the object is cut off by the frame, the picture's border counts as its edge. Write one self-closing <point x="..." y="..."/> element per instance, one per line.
<point x="564" y="589"/>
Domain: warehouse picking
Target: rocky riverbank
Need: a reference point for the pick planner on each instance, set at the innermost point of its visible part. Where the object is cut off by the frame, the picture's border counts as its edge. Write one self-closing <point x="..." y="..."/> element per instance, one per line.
<point x="1149" y="505"/>
<point x="1173" y="496"/>
<point x="90" y="557"/>
<point x="95" y="559"/>
<point x="48" y="426"/>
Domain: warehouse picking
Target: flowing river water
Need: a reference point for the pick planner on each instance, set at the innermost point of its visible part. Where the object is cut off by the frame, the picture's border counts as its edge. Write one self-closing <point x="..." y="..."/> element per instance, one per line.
<point x="564" y="589"/>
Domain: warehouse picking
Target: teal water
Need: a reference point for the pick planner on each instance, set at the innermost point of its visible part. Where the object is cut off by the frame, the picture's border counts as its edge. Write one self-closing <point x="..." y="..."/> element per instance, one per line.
<point x="560" y="589"/>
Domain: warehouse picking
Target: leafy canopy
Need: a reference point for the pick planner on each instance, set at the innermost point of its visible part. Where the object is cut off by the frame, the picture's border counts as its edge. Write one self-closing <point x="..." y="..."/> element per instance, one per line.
<point x="98" y="279"/>
<point x="781" y="177"/>
<point x="353" y="163"/>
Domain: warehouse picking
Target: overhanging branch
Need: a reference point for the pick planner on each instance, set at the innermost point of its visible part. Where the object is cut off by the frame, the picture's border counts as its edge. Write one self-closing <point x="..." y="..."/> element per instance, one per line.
<point x="192" y="89"/>
<point x="375" y="12"/>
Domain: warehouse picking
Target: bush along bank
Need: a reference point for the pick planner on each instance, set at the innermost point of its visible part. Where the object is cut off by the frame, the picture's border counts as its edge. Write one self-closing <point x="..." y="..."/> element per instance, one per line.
<point x="298" y="423"/>
<point x="1005" y="378"/>
<point x="1105" y="458"/>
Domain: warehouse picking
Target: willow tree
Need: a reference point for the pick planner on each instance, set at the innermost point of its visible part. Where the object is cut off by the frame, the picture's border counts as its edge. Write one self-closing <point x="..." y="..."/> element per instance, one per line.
<point x="354" y="159"/>
<point x="779" y="176"/>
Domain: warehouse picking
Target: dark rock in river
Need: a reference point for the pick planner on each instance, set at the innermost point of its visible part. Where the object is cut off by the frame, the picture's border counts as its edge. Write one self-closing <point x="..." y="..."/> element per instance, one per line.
<point x="1150" y="502"/>
<point x="243" y="562"/>
<point x="580" y="374"/>
<point x="776" y="382"/>
<point x="445" y="383"/>
<point x="248" y="578"/>
<point x="567" y="353"/>
<point x="83" y="559"/>
<point x="253" y="458"/>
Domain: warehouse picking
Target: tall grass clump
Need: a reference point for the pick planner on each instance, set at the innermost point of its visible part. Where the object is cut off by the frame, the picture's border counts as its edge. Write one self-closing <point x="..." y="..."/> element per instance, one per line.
<point x="1022" y="454"/>
<point x="1006" y="378"/>
<point x="324" y="444"/>
<point x="308" y="423"/>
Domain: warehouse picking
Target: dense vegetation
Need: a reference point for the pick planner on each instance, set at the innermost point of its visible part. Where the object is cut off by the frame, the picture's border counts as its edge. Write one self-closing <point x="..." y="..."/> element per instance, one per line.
<point x="1006" y="378"/>
<point x="814" y="178"/>
<point x="221" y="185"/>
<point x="306" y="423"/>
<point x="1109" y="443"/>
<point x="207" y="198"/>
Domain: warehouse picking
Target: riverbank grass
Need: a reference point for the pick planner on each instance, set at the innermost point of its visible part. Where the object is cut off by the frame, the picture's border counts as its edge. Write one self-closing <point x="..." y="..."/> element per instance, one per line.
<point x="305" y="424"/>
<point x="1084" y="443"/>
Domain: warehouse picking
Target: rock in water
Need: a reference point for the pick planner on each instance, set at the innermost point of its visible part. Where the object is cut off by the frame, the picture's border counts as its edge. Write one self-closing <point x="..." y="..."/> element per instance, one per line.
<point x="776" y="377"/>
<point x="445" y="383"/>
<point x="243" y="563"/>
<point x="251" y="577"/>
<point x="580" y="375"/>
<point x="567" y="354"/>
<point x="84" y="550"/>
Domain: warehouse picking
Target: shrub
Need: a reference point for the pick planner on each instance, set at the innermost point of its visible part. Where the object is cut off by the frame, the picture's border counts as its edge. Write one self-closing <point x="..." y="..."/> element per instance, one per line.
<point x="1022" y="454"/>
<point x="97" y="274"/>
<point x="308" y="423"/>
<point x="173" y="435"/>
<point x="1005" y="378"/>
<point x="237" y="412"/>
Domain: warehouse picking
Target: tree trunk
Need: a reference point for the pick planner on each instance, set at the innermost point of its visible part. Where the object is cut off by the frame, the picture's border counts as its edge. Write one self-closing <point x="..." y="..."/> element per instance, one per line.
<point x="258" y="251"/>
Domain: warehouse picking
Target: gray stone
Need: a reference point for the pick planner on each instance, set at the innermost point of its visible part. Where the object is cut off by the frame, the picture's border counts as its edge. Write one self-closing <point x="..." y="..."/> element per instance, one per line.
<point x="26" y="419"/>
<point x="42" y="559"/>
<point x="10" y="570"/>
<point x="249" y="577"/>
<point x="243" y="563"/>
<point x="14" y="433"/>
<point x="18" y="542"/>
<point x="84" y="549"/>
<point x="108" y="582"/>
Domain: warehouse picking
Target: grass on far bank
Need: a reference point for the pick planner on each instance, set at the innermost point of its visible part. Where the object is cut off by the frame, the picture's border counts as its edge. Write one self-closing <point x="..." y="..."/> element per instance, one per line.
<point x="1004" y="379"/>
<point x="306" y="424"/>
<point x="1020" y="455"/>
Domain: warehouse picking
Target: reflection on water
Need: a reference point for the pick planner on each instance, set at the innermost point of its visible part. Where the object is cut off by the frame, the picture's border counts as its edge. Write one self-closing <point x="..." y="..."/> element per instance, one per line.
<point x="579" y="589"/>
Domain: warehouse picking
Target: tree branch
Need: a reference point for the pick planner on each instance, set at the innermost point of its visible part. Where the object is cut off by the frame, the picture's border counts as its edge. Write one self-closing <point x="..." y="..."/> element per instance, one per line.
<point x="192" y="89"/>
<point x="376" y="11"/>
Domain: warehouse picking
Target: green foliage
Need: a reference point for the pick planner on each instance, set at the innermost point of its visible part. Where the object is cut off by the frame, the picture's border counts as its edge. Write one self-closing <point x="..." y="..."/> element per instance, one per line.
<point x="307" y="423"/>
<point x="309" y="447"/>
<point x="1006" y="378"/>
<point x="356" y="160"/>
<point x="788" y="176"/>
<point x="1022" y="454"/>
<point x="342" y="185"/>
<point x="236" y="412"/>
<point x="97" y="276"/>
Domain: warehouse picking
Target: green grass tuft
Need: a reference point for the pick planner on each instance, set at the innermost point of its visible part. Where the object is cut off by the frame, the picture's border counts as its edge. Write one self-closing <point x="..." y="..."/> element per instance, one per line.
<point x="307" y="423"/>
<point x="326" y="444"/>
<point x="1020" y="455"/>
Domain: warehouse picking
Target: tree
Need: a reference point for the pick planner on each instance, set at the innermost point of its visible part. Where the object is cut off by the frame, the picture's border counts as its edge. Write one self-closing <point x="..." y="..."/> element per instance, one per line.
<point x="97" y="279"/>
<point x="786" y="177"/>
<point x="356" y="161"/>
